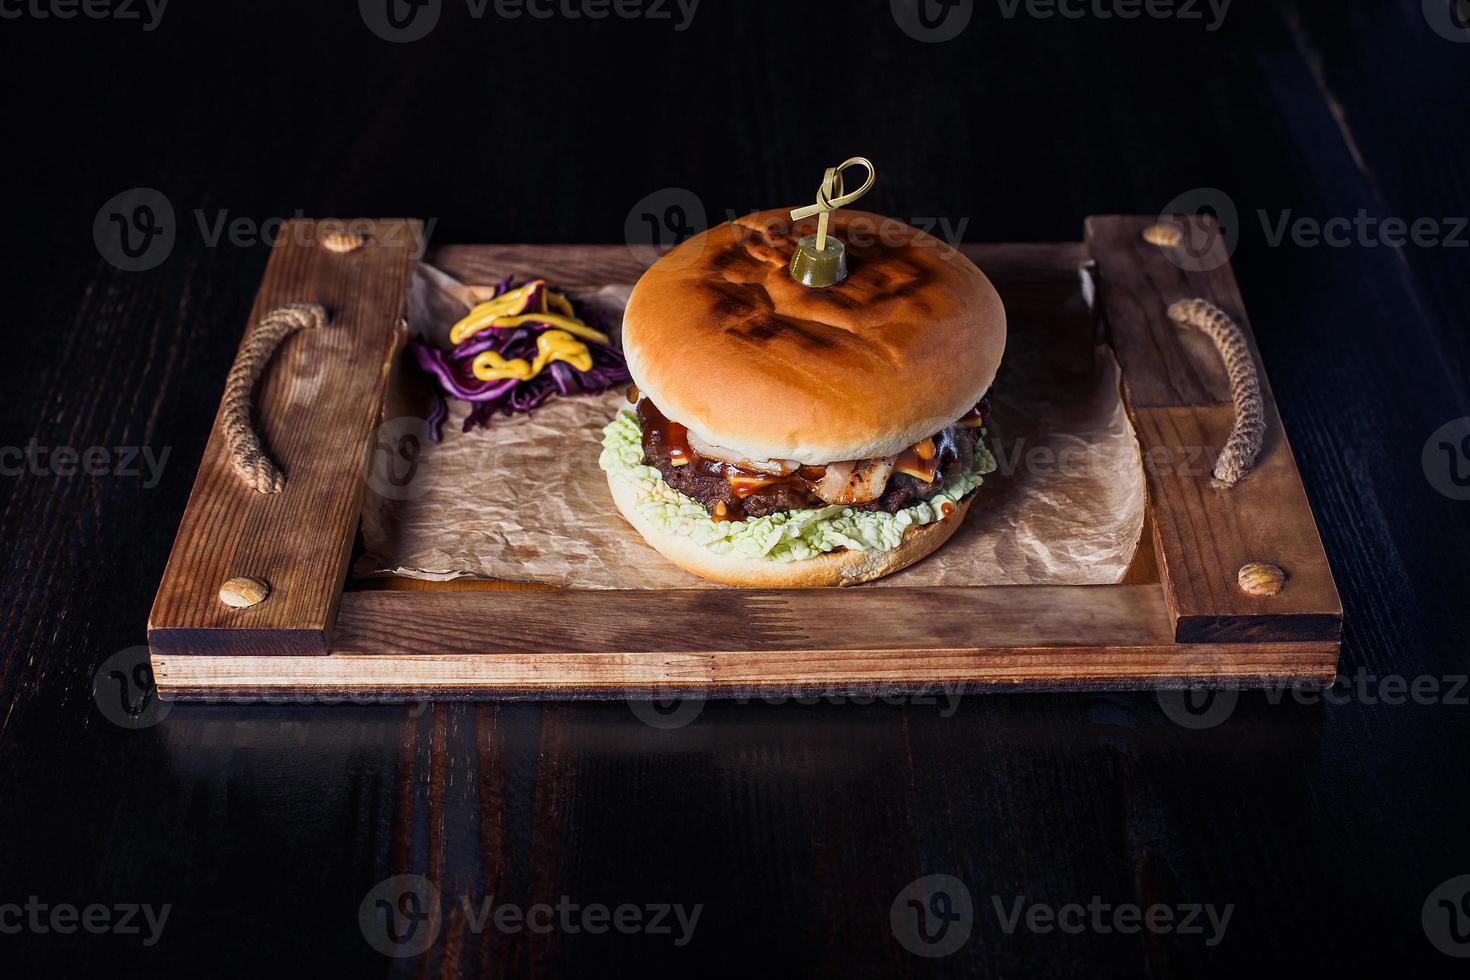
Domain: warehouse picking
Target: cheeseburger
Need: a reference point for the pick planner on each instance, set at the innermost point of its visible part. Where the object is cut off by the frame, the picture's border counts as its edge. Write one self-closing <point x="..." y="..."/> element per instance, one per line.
<point x="786" y="436"/>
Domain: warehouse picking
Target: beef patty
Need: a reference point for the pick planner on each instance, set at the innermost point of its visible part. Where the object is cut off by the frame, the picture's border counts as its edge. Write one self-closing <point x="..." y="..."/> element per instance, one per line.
<point x="704" y="479"/>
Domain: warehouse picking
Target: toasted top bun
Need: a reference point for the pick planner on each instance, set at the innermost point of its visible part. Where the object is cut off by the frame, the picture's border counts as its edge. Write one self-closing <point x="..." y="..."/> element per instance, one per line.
<point x="723" y="340"/>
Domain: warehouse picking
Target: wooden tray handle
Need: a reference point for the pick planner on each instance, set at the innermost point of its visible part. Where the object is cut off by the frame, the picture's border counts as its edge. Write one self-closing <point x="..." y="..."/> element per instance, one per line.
<point x="246" y="456"/>
<point x="1249" y="429"/>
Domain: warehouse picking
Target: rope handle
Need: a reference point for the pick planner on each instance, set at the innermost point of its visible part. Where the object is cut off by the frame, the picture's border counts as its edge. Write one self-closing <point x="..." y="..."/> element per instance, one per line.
<point x="1244" y="443"/>
<point x="248" y="459"/>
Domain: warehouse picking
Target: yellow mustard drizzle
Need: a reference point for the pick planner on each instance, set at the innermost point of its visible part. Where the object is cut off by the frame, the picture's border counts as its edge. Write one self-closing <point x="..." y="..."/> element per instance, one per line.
<point x="508" y="310"/>
<point x="569" y="324"/>
<point x="480" y="317"/>
<point x="562" y="304"/>
<point x="553" y="345"/>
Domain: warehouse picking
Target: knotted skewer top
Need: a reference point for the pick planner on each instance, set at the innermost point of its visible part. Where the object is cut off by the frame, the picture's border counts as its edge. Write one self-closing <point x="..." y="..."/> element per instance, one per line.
<point x="817" y="262"/>
<point x="830" y="195"/>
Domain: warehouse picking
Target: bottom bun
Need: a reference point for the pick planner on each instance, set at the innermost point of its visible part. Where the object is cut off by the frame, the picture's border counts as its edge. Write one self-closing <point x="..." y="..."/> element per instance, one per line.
<point x="832" y="568"/>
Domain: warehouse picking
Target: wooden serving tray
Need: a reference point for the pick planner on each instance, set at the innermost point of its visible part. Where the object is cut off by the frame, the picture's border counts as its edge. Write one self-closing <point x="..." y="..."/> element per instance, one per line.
<point x="1178" y="618"/>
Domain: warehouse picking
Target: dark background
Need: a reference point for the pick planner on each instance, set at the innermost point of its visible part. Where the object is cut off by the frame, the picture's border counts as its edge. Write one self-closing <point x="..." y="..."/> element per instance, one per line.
<point x="796" y="826"/>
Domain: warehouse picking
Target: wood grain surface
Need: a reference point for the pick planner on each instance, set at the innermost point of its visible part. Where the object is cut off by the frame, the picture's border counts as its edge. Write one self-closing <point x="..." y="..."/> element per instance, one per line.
<point x="1204" y="534"/>
<point x="705" y="643"/>
<point x="316" y="406"/>
<point x="1324" y="822"/>
<point x="1175" y="389"/>
<point x="1164" y="365"/>
<point x="716" y="644"/>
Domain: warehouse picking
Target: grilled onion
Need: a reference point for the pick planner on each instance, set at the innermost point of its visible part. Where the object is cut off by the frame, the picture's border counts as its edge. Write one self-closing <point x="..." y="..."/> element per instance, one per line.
<point x="775" y="467"/>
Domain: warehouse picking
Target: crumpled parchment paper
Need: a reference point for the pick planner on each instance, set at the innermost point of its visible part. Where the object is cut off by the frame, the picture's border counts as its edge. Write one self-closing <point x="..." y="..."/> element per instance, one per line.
<point x="526" y="501"/>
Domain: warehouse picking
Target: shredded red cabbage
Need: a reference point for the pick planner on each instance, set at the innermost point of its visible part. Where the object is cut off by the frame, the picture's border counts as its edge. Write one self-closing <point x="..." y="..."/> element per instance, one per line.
<point x="450" y="369"/>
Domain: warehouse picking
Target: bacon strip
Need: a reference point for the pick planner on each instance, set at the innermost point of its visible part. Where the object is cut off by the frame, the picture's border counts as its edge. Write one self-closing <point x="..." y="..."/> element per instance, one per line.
<point x="855" y="481"/>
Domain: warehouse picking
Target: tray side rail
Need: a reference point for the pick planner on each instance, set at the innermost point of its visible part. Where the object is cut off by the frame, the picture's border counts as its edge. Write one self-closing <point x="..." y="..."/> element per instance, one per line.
<point x="317" y="406"/>
<point x="1176" y="391"/>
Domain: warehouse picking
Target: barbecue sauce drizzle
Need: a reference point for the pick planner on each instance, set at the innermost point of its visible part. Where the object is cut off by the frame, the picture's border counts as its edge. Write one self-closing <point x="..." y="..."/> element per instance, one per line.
<point x="674" y="437"/>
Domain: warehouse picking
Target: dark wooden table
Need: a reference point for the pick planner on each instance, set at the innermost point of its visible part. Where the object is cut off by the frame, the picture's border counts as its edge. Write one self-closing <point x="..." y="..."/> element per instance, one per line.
<point x="1324" y="823"/>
